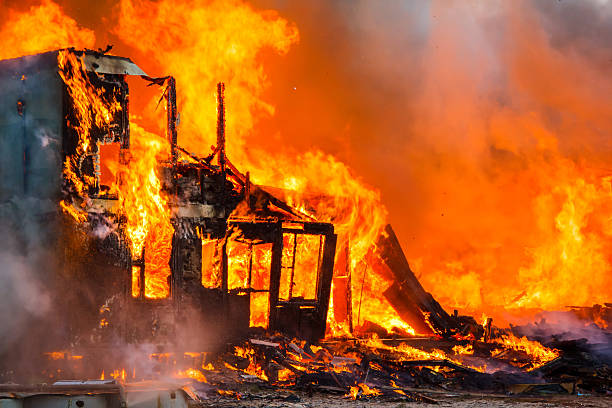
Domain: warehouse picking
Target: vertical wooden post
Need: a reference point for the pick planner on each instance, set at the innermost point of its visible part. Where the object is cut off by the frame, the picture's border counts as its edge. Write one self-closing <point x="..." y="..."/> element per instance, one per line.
<point x="221" y="138"/>
<point x="327" y="272"/>
<point x="275" y="274"/>
<point x="172" y="117"/>
<point x="349" y="287"/>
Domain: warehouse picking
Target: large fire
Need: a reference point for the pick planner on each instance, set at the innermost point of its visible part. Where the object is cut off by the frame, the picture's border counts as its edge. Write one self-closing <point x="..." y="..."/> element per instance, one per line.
<point x="562" y="202"/>
<point x="91" y="108"/>
<point x="148" y="226"/>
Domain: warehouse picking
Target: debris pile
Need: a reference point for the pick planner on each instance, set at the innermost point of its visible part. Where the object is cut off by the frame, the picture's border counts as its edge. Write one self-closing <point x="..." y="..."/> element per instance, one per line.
<point x="406" y="369"/>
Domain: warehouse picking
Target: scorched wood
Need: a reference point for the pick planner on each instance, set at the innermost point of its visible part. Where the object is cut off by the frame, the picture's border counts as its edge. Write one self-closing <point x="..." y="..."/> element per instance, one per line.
<point x="408" y="290"/>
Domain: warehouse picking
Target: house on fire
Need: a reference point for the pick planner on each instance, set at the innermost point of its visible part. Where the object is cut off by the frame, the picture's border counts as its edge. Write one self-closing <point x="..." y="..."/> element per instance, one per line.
<point x="236" y="258"/>
<point x="238" y="254"/>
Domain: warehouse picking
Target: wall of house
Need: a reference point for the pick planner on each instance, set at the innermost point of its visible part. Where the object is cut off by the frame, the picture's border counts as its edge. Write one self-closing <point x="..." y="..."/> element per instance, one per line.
<point x="31" y="134"/>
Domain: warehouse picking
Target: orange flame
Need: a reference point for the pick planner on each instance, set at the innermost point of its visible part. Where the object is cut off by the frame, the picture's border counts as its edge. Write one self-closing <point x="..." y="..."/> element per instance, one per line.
<point x="146" y="208"/>
<point x="209" y="41"/>
<point x="362" y="390"/>
<point x="42" y="28"/>
<point x="117" y="374"/>
<point x="538" y="353"/>
<point x="194" y="374"/>
<point x="90" y="107"/>
<point x="78" y="216"/>
<point x="199" y="52"/>
<point x="253" y="368"/>
<point x="223" y="41"/>
<point x="409" y="353"/>
<point x="566" y="209"/>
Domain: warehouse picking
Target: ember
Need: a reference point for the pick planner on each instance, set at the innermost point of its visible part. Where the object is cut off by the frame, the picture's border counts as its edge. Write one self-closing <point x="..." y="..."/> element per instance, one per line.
<point x="362" y="391"/>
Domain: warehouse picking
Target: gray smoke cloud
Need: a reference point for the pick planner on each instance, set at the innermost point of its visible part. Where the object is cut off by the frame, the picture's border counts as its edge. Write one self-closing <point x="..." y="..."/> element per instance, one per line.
<point x="29" y="260"/>
<point x="24" y="298"/>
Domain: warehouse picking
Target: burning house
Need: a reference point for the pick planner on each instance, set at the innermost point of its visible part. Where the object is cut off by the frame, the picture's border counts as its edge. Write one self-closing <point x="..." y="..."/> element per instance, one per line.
<point x="167" y="274"/>
<point x="225" y="247"/>
<point x="207" y="246"/>
<point x="227" y="251"/>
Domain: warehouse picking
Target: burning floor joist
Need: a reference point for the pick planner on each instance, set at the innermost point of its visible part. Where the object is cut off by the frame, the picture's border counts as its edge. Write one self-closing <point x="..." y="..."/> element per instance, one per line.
<point x="174" y="278"/>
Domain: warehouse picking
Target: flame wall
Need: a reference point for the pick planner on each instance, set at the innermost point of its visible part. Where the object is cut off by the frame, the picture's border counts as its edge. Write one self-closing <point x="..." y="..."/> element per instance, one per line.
<point x="485" y="129"/>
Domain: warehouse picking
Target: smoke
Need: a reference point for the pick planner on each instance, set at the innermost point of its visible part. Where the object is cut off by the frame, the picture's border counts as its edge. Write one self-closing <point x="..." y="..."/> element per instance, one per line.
<point x="27" y="256"/>
<point x="29" y="262"/>
<point x="24" y="298"/>
<point x="557" y="327"/>
<point x="28" y="270"/>
<point x="102" y="226"/>
<point x="565" y="326"/>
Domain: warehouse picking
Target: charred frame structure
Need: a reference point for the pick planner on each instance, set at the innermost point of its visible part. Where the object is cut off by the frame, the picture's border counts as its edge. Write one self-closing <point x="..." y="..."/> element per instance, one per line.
<point x="215" y="209"/>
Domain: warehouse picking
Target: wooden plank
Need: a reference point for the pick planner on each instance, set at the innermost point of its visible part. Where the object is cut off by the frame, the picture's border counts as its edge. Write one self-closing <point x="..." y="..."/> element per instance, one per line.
<point x="326" y="272"/>
<point x="393" y="256"/>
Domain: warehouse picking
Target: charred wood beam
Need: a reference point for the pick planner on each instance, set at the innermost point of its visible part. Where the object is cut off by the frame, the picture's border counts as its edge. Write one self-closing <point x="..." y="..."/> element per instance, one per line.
<point x="221" y="137"/>
<point x="487" y="329"/>
<point x="125" y="111"/>
<point x="326" y="272"/>
<point x="239" y="176"/>
<point x="275" y="274"/>
<point x="196" y="158"/>
<point x="221" y="124"/>
<point x="437" y="363"/>
<point x="283" y="206"/>
<point x="407" y="307"/>
<point x="392" y="255"/>
<point x="172" y="113"/>
<point x="224" y="264"/>
<point x="349" y="288"/>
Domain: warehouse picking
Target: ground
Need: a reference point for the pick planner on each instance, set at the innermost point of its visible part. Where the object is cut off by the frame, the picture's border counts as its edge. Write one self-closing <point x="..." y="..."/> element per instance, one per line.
<point x="302" y="400"/>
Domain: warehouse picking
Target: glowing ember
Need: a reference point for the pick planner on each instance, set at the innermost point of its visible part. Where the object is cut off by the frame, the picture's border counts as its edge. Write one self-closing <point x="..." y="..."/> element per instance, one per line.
<point x="538" y="354"/>
<point x="56" y="355"/>
<point x="409" y="353"/>
<point x="192" y="373"/>
<point x="229" y="394"/>
<point x="362" y="390"/>
<point x="465" y="350"/>
<point x="254" y="368"/>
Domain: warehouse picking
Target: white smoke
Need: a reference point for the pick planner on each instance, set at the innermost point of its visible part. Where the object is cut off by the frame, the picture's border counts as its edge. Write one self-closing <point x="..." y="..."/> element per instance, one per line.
<point x="24" y="298"/>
